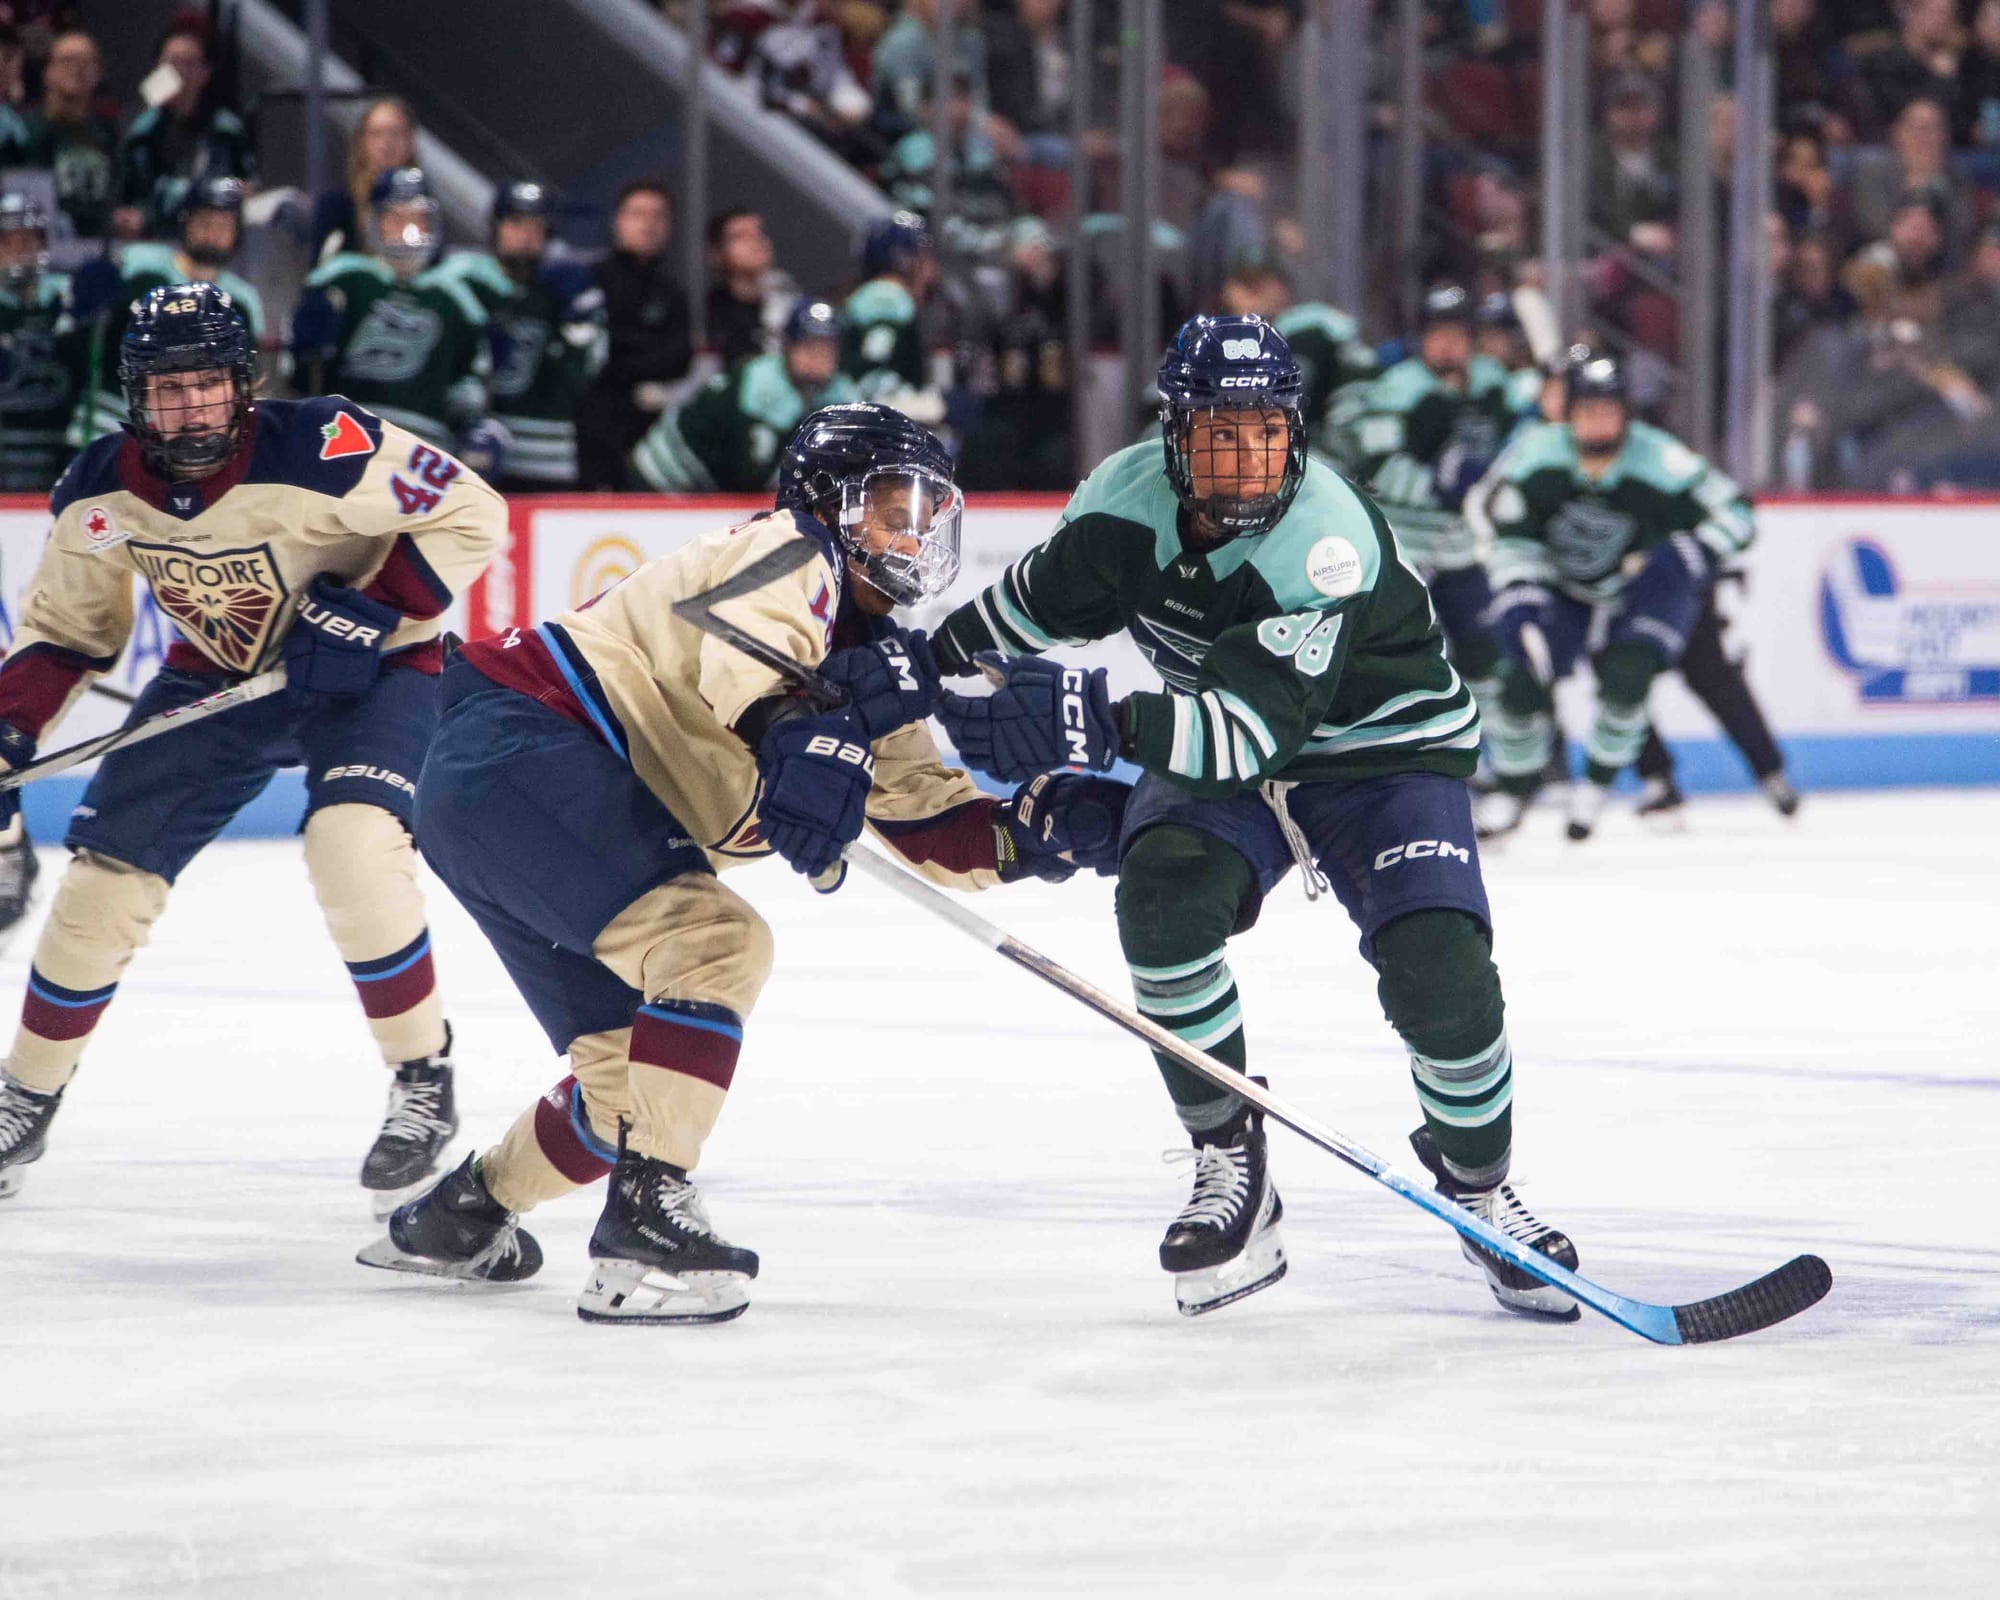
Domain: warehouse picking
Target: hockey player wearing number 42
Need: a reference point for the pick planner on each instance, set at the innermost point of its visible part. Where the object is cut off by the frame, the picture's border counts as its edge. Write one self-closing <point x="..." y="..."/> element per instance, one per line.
<point x="1308" y="716"/>
<point x="592" y="776"/>
<point x="309" y="532"/>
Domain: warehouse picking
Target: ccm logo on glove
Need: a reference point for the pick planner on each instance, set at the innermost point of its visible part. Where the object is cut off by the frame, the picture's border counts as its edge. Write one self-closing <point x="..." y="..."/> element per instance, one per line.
<point x="1076" y="727"/>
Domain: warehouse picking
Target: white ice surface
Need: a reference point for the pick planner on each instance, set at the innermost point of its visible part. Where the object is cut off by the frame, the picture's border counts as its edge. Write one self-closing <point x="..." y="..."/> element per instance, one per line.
<point x="962" y="1373"/>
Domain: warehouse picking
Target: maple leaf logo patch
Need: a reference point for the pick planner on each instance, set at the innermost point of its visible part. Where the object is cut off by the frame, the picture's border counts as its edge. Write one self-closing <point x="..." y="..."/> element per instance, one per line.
<point x="344" y="437"/>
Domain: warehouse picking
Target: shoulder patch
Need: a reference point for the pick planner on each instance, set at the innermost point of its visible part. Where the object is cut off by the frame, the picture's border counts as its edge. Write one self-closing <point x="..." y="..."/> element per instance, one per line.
<point x="1325" y="547"/>
<point x="1333" y="566"/>
<point x="322" y="445"/>
<point x="344" y="436"/>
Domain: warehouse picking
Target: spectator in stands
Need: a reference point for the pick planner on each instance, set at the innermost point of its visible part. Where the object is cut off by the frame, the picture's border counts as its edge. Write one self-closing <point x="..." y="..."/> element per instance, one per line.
<point x="176" y="142"/>
<point x="1021" y="439"/>
<point x="69" y="135"/>
<point x="1918" y="157"/>
<point x="1184" y="159"/>
<point x="1811" y="297"/>
<point x="1805" y="184"/>
<point x="1901" y="275"/>
<point x="384" y="140"/>
<point x="1029" y="76"/>
<point x="1921" y="64"/>
<point x="748" y="297"/>
<point x="802" y="69"/>
<point x="1632" y="182"/>
<point x="647" y="312"/>
<point x="1238" y="50"/>
<point x="906" y="59"/>
<point x="981" y="202"/>
<point x="1619" y="43"/>
<point x="1972" y="311"/>
<point x="13" y="79"/>
<point x="1976" y="119"/>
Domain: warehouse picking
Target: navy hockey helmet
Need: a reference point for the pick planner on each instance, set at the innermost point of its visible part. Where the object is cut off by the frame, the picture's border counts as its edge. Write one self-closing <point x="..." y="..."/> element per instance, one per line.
<point x="894" y="242"/>
<point x="523" y="198"/>
<point x="178" y="335"/>
<point x="812" y="319"/>
<point x="1595" y="375"/>
<point x="221" y="194"/>
<point x="1445" y="303"/>
<point x="883" y="483"/>
<point x="412" y="243"/>
<point x="1224" y="364"/>
<point x="24" y="244"/>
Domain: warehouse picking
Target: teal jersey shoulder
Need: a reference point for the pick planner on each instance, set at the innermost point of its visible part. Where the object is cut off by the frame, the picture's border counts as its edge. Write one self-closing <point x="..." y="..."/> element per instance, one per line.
<point x="1323" y="549"/>
<point x="881" y="300"/>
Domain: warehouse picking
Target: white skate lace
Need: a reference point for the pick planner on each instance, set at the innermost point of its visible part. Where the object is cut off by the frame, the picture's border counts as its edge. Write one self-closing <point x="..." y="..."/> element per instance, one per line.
<point x="1221" y="1183"/>
<point x="413" y="1112"/>
<point x="505" y="1246"/>
<point x="1502" y="1207"/>
<point x="681" y="1202"/>
<point x="1278" y="797"/>
<point x="18" y="1115"/>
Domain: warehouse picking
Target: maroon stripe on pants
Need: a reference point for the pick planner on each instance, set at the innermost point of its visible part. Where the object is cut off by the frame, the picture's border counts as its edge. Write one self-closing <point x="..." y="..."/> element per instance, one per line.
<point x="59" y="1022"/>
<point x="557" y="1136"/>
<point x="391" y="997"/>
<point x="696" y="1052"/>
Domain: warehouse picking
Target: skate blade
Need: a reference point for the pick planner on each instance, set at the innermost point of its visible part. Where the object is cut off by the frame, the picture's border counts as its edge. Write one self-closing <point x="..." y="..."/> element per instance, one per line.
<point x="382" y="1203"/>
<point x="630" y="1291"/>
<point x="1543" y="1301"/>
<point x="384" y="1254"/>
<point x="1261" y="1264"/>
<point x="11" y="1179"/>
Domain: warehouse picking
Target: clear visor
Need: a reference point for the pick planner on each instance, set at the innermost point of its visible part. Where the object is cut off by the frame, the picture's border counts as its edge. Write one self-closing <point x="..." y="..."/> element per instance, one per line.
<point x="901" y="524"/>
<point x="409" y="232"/>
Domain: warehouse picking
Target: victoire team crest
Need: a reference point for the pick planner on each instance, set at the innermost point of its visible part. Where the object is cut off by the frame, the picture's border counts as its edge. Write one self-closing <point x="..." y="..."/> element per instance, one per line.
<point x="227" y="602"/>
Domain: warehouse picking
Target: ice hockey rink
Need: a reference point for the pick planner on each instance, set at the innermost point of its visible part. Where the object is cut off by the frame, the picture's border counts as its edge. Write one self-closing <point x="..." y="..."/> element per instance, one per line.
<point x="962" y="1374"/>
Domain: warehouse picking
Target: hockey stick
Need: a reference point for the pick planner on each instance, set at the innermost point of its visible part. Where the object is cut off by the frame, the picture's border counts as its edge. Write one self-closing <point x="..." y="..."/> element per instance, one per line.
<point x="1785" y="1292"/>
<point x="237" y="694"/>
<point x="123" y="697"/>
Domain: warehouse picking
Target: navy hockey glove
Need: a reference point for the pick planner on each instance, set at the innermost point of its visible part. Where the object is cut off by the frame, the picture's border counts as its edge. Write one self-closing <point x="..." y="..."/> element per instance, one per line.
<point x="17" y="749"/>
<point x="817" y="771"/>
<point x="1059" y="822"/>
<point x="484" y="447"/>
<point x="1043" y="716"/>
<point x="335" y="643"/>
<point x="891" y="681"/>
<point x="1662" y="603"/>
<point x="1515" y="607"/>
<point x="1456" y="471"/>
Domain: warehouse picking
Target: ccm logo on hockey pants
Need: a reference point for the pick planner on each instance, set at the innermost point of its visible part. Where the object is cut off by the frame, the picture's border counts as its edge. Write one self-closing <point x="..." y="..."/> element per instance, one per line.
<point x="1417" y="849"/>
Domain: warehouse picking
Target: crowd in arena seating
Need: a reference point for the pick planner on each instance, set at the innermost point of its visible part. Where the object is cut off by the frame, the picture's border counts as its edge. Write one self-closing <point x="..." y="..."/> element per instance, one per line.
<point x="1884" y="236"/>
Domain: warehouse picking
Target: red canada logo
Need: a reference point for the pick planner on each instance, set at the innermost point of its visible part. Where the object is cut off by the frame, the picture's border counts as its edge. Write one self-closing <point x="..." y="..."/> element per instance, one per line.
<point x="100" y="528"/>
<point x="227" y="603"/>
<point x="344" y="437"/>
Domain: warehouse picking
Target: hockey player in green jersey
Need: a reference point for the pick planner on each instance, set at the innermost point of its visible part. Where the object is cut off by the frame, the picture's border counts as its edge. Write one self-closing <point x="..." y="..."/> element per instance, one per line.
<point x="1326" y="342"/>
<point x="42" y="354"/>
<point x="209" y="229"/>
<point x="727" y="437"/>
<point x="398" y="334"/>
<point x="1606" y="536"/>
<point x="882" y="346"/>
<point x="1308" y="715"/>
<point x="1428" y="429"/>
<point x="545" y="337"/>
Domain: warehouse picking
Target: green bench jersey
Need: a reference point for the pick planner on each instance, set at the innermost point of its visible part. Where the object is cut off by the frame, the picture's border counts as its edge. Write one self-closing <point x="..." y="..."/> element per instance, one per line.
<point x="1331" y="354"/>
<point x="413" y="352"/>
<point x="1405" y="425"/>
<point x="43" y="363"/>
<point x="882" y="347"/>
<point x="727" y="437"/>
<point x="142" y="268"/>
<point x="1306" y="653"/>
<point x="546" y="340"/>
<point x="1549" y="524"/>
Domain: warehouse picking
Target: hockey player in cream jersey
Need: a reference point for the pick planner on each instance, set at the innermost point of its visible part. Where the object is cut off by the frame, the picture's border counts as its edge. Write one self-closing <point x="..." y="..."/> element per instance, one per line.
<point x="308" y="532"/>
<point x="591" y="777"/>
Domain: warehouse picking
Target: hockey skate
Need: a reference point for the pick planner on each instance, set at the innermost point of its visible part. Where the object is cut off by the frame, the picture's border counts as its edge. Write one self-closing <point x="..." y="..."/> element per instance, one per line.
<point x="1224" y="1245"/>
<point x="417" y="1129"/>
<point x="24" y="1130"/>
<point x="1779" y="791"/>
<point x="1586" y="805"/>
<point x="19" y="868"/>
<point x="655" y="1258"/>
<point x="459" y="1231"/>
<point x="1501" y="1206"/>
<point x="1661" y="806"/>
<point x="1499" y="813"/>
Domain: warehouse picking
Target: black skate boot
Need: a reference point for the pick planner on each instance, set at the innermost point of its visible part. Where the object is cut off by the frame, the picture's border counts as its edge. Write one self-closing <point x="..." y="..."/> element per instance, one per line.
<point x="1499" y="1205"/>
<point x="24" y="1130"/>
<point x="654" y="1258"/>
<point x="422" y="1117"/>
<point x="1224" y="1244"/>
<point x="19" y="867"/>
<point x="1779" y="791"/>
<point x="1661" y="805"/>
<point x="458" y="1230"/>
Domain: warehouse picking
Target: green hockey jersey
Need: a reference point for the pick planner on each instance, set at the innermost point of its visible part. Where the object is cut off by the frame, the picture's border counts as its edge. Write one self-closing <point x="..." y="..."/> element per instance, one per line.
<point x="142" y="268"/>
<point x="413" y="351"/>
<point x="1307" y="653"/>
<point x="882" y="347"/>
<point x="1331" y="355"/>
<point x="546" y="340"/>
<point x="43" y="361"/>
<point x="727" y="436"/>
<point x="1409" y="431"/>
<point x="1549" y="524"/>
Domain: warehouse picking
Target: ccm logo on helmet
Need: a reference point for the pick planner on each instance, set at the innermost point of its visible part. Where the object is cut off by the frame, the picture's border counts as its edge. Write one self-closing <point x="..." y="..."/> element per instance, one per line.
<point x="1417" y="849"/>
<point x="1252" y="381"/>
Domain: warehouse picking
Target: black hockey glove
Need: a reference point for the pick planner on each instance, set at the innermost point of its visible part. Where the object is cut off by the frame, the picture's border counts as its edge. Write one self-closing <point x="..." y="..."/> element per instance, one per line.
<point x="817" y="771"/>
<point x="17" y="749"/>
<point x="335" y="643"/>
<point x="891" y="681"/>
<point x="1059" y="822"/>
<point x="1044" y="716"/>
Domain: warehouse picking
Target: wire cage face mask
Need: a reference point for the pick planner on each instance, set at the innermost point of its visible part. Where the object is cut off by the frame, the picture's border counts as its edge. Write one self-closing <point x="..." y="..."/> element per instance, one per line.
<point x="901" y="525"/>
<point x="173" y="413"/>
<point x="407" y="231"/>
<point x="1233" y="470"/>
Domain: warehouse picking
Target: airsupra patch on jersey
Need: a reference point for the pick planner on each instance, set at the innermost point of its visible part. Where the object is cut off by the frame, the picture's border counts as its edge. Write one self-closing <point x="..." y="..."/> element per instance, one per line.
<point x="1587" y="538"/>
<point x="228" y="603"/>
<point x="344" y="436"/>
<point x="1333" y="566"/>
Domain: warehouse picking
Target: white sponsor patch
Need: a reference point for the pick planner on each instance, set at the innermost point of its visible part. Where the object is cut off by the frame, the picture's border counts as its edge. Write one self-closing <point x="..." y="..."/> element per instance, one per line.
<point x="1333" y="566"/>
<point x="101" y="530"/>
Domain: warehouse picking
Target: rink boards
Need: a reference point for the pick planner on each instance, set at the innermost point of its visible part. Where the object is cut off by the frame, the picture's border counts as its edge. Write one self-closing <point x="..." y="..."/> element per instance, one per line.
<point x="1871" y="626"/>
